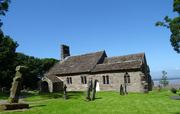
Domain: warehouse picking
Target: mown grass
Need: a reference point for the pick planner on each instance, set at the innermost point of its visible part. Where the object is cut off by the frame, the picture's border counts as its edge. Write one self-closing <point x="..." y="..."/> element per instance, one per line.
<point x="106" y="102"/>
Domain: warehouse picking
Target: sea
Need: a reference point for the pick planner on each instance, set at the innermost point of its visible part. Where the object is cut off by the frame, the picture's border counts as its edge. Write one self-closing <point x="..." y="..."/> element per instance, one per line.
<point x="172" y="81"/>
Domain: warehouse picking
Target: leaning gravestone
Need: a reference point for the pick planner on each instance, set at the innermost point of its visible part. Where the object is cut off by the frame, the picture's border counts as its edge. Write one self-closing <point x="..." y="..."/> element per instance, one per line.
<point x="94" y="90"/>
<point x="88" y="92"/>
<point x="65" y="94"/>
<point x="13" y="99"/>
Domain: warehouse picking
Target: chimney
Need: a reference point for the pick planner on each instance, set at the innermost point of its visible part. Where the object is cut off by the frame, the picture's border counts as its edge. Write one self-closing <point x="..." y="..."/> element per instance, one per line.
<point x="64" y="52"/>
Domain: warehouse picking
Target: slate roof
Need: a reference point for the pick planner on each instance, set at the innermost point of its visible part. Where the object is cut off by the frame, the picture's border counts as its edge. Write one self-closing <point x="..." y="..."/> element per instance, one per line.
<point x="77" y="64"/>
<point x="96" y="62"/>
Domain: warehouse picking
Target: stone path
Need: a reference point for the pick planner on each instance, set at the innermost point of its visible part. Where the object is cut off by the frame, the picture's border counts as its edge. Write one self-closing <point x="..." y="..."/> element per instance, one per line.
<point x="23" y="97"/>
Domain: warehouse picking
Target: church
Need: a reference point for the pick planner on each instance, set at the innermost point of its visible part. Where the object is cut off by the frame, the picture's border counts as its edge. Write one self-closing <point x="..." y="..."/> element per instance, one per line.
<point x="76" y="71"/>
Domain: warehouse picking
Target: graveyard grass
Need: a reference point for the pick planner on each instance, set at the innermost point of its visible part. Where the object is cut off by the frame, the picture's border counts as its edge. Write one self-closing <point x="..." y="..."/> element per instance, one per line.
<point x="105" y="102"/>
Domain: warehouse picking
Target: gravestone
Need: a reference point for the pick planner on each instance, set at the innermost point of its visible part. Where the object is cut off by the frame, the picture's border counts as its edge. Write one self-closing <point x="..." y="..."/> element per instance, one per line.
<point x="88" y="92"/>
<point x="65" y="94"/>
<point x="125" y="89"/>
<point x="175" y="97"/>
<point x="121" y="90"/>
<point x="16" y="85"/>
<point x="94" y="90"/>
<point x="13" y="99"/>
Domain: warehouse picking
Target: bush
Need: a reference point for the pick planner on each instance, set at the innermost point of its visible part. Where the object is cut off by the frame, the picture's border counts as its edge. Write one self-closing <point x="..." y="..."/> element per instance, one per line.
<point x="173" y="90"/>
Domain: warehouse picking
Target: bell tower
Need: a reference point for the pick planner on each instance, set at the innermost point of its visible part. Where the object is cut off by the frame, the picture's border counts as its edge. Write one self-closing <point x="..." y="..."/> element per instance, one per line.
<point x="64" y="52"/>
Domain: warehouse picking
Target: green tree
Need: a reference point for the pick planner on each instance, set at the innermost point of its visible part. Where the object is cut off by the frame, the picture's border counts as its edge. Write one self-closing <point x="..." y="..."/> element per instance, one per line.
<point x="163" y="80"/>
<point x="47" y="64"/>
<point x="4" y="5"/>
<point x="174" y="25"/>
<point x="7" y="59"/>
<point x="36" y="68"/>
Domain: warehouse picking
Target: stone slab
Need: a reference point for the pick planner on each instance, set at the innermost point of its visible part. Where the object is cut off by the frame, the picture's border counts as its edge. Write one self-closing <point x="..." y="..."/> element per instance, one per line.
<point x="175" y="97"/>
<point x="13" y="106"/>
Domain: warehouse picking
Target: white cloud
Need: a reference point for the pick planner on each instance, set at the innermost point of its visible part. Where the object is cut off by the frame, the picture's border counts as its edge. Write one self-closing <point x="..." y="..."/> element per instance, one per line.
<point x="177" y="68"/>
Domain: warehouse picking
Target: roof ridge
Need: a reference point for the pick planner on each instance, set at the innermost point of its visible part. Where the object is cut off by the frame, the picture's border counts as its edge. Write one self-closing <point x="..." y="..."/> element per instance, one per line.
<point x="98" y="61"/>
<point x="87" y="53"/>
<point x="126" y="55"/>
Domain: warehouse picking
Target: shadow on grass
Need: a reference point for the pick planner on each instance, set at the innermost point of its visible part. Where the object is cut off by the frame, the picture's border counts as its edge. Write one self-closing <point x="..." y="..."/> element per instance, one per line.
<point x="37" y="106"/>
<point x="98" y="98"/>
<point x="75" y="94"/>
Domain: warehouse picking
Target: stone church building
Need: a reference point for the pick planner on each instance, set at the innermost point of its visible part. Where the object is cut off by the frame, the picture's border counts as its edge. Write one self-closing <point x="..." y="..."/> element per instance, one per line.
<point x="76" y="71"/>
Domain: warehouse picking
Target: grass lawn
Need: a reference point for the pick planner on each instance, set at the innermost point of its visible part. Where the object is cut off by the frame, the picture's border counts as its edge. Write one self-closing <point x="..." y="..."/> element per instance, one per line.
<point x="106" y="102"/>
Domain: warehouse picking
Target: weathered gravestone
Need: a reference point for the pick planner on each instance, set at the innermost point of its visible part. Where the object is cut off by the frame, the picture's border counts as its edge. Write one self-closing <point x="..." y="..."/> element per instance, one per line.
<point x="175" y="97"/>
<point x="88" y="91"/>
<point x="121" y="90"/>
<point x="94" y="89"/>
<point x="125" y="89"/>
<point x="13" y="99"/>
<point x="65" y="94"/>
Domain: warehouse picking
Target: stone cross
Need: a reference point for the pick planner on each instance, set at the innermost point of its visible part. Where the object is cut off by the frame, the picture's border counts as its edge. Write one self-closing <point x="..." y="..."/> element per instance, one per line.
<point x="16" y="85"/>
<point x="94" y="90"/>
<point x="88" y="92"/>
<point x="65" y="94"/>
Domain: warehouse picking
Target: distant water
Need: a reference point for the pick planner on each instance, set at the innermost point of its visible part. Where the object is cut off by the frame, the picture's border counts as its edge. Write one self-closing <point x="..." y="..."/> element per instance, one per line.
<point x="172" y="81"/>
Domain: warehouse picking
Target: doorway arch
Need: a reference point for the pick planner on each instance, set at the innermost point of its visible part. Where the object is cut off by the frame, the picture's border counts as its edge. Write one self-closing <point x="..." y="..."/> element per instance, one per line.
<point x="45" y="87"/>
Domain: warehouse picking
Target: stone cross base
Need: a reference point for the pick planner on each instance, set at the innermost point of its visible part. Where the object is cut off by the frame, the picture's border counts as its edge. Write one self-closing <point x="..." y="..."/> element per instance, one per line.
<point x="13" y="106"/>
<point x="65" y="97"/>
<point x="88" y="99"/>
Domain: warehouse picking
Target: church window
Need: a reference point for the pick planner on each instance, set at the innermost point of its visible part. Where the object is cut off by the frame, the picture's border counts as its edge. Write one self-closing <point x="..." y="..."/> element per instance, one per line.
<point x="69" y="80"/>
<point x="105" y="79"/>
<point x="83" y="80"/>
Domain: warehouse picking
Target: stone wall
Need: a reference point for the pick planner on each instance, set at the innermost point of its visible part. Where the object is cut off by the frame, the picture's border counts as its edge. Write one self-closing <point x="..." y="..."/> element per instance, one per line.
<point x="137" y="82"/>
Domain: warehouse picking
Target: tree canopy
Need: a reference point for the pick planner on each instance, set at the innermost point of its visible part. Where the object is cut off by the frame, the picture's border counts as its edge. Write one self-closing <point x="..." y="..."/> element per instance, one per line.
<point x="4" y="5"/>
<point x="174" y="25"/>
<point x="7" y="58"/>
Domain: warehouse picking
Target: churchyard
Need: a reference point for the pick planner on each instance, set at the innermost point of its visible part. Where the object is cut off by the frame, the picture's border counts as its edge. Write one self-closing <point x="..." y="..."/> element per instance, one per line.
<point x="105" y="102"/>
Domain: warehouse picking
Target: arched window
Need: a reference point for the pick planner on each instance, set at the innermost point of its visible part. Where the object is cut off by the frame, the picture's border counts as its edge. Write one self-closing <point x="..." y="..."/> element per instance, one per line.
<point x="105" y="79"/>
<point x="83" y="80"/>
<point x="104" y="82"/>
<point x="69" y="80"/>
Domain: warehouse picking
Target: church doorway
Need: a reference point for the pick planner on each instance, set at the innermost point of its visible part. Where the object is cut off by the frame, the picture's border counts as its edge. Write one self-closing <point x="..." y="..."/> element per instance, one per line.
<point x="97" y="86"/>
<point x="45" y="87"/>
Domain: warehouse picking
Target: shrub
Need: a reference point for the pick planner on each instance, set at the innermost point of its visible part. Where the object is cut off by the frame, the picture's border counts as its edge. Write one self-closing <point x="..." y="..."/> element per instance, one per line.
<point x="173" y="90"/>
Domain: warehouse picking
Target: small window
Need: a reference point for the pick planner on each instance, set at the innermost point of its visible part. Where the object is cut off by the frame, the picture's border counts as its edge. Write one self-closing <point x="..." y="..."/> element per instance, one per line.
<point x="83" y="80"/>
<point x="69" y="80"/>
<point x="105" y="79"/>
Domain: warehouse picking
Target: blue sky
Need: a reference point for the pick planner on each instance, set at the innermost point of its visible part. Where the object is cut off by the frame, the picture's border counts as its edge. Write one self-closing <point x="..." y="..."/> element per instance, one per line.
<point x="119" y="27"/>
